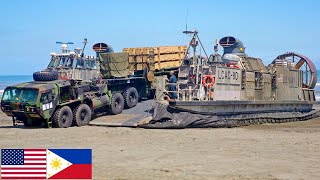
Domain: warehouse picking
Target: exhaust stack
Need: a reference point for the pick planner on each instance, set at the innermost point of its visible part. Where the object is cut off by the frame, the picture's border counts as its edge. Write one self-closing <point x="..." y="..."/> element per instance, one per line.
<point x="102" y="48"/>
<point x="232" y="45"/>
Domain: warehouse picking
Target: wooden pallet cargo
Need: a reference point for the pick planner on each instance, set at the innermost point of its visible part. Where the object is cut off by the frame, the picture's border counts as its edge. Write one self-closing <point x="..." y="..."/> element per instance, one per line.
<point x="155" y="58"/>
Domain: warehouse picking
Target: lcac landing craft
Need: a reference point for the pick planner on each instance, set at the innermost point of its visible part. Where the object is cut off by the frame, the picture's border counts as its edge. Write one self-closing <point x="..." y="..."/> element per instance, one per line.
<point x="235" y="89"/>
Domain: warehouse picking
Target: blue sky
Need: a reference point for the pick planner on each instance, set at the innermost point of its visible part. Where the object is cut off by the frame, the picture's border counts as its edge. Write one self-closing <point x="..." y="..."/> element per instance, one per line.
<point x="29" y="29"/>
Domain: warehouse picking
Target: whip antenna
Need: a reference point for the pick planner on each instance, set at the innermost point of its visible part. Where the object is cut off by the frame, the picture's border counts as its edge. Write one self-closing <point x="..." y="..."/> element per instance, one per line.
<point x="187" y="19"/>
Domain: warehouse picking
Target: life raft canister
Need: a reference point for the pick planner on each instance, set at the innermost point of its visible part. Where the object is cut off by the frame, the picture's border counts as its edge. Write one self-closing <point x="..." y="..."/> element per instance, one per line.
<point x="206" y="83"/>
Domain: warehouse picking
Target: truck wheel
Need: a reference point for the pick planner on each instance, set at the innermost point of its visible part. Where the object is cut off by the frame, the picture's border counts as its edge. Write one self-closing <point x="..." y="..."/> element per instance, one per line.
<point x="28" y="123"/>
<point x="45" y="75"/>
<point x="131" y="97"/>
<point x="81" y="115"/>
<point x="62" y="118"/>
<point x="117" y="104"/>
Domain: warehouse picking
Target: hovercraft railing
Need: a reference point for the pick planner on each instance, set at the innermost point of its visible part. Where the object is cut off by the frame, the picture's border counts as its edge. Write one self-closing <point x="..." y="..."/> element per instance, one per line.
<point x="187" y="94"/>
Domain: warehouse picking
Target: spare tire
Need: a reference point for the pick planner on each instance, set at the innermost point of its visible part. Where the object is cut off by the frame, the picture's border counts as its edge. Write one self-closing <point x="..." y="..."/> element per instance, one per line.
<point x="45" y="75"/>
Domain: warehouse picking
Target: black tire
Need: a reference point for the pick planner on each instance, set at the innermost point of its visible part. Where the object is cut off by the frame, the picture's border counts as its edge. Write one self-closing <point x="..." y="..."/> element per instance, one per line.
<point x="62" y="118"/>
<point x="82" y="115"/>
<point x="117" y="104"/>
<point x="27" y="123"/>
<point x="131" y="97"/>
<point x="45" y="75"/>
<point x="31" y="123"/>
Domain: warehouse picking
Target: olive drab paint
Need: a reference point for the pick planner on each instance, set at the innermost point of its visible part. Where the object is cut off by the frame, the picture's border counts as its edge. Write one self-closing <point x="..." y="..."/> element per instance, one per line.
<point x="53" y="95"/>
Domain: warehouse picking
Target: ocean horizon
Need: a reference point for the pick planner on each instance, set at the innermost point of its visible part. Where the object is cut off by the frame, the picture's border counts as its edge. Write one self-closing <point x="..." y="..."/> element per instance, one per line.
<point x="9" y="80"/>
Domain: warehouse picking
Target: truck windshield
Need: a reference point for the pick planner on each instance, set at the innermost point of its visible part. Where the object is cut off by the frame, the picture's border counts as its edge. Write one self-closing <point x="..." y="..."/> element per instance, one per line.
<point x="61" y="62"/>
<point x="52" y="63"/>
<point x="20" y="95"/>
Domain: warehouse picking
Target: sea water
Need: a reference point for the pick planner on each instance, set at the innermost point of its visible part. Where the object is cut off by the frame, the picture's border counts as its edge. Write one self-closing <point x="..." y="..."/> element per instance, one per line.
<point x="8" y="80"/>
<point x="16" y="79"/>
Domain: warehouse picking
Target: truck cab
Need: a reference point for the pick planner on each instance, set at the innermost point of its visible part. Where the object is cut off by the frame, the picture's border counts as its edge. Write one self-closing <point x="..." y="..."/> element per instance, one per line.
<point x="58" y="103"/>
<point x="34" y="102"/>
<point x="72" y="66"/>
<point x="69" y="65"/>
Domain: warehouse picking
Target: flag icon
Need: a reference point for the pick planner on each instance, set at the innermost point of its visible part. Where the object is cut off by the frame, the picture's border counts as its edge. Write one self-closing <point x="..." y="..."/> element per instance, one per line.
<point x="23" y="163"/>
<point x="46" y="164"/>
<point x="69" y="164"/>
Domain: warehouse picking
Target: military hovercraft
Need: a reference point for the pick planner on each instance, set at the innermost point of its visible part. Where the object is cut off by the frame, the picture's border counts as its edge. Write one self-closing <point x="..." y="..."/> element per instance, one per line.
<point x="235" y="89"/>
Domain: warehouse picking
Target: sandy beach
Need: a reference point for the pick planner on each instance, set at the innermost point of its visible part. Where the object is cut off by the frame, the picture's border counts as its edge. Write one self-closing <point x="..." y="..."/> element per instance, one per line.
<point x="269" y="151"/>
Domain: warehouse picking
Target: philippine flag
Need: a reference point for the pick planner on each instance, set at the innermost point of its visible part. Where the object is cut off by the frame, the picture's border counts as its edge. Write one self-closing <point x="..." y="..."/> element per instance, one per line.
<point x="69" y="164"/>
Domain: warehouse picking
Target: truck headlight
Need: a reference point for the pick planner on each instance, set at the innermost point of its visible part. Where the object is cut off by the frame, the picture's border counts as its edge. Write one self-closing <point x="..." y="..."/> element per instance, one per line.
<point x="31" y="109"/>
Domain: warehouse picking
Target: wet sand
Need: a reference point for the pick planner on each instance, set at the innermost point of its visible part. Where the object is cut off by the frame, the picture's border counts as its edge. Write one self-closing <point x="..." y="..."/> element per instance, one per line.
<point x="269" y="151"/>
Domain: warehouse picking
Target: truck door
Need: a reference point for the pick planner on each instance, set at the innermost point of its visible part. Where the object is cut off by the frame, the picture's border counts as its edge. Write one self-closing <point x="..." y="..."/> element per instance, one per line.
<point x="47" y="103"/>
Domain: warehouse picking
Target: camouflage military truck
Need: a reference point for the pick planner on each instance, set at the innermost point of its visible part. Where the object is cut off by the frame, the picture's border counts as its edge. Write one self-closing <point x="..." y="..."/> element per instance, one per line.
<point x="61" y="103"/>
<point x="64" y="102"/>
<point x="66" y="94"/>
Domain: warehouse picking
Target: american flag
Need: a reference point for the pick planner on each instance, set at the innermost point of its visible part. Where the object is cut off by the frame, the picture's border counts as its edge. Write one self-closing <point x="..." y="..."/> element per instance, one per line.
<point x="23" y="164"/>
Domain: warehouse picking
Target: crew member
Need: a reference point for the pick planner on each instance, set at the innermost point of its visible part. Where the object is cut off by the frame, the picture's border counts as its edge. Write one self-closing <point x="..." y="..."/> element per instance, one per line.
<point x="172" y="85"/>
